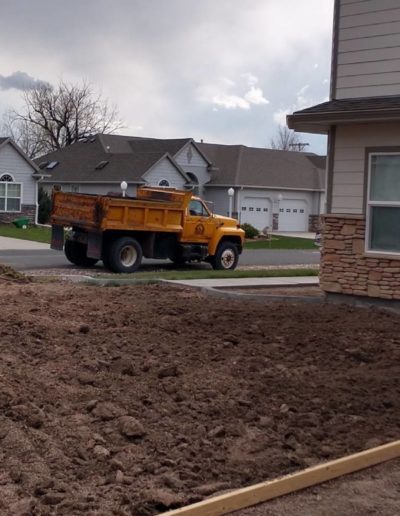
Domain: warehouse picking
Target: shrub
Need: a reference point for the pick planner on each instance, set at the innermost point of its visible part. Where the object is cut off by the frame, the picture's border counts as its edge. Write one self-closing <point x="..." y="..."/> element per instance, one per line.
<point x="250" y="231"/>
<point x="44" y="201"/>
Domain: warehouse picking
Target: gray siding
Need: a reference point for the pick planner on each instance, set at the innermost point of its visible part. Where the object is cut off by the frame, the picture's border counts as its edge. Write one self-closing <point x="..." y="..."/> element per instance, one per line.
<point x="349" y="161"/>
<point x="165" y="170"/>
<point x="219" y="198"/>
<point x="368" y="49"/>
<point x="91" y="188"/>
<point x="195" y="165"/>
<point x="11" y="162"/>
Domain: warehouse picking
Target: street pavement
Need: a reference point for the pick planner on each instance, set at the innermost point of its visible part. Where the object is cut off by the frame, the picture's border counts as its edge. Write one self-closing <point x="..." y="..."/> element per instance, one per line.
<point x="26" y="255"/>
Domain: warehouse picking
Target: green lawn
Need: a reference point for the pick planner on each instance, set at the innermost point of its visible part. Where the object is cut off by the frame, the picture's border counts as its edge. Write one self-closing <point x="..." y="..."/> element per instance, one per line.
<point x="209" y="274"/>
<point x="35" y="233"/>
<point x="281" y="242"/>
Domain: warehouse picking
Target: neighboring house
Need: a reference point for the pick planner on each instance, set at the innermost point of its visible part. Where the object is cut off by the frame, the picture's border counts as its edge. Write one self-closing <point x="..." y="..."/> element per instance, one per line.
<point x="361" y="243"/>
<point x="276" y="189"/>
<point x="18" y="183"/>
<point x="281" y="190"/>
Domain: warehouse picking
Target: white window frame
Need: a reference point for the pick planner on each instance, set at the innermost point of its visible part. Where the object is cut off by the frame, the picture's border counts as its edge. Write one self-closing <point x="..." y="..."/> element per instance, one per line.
<point x="5" y="197"/>
<point x="370" y="204"/>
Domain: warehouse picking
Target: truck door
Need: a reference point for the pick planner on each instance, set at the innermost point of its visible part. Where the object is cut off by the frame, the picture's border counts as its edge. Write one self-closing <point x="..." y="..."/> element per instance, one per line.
<point x="199" y="224"/>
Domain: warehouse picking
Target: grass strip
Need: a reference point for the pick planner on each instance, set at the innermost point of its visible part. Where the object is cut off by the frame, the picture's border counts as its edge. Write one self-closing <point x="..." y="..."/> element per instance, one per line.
<point x="210" y="274"/>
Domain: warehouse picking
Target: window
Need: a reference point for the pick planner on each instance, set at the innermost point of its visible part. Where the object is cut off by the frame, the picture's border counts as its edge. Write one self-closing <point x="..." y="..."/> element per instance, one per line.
<point x="197" y="209"/>
<point x="10" y="194"/>
<point x="164" y="183"/>
<point x="287" y="210"/>
<point x="265" y="209"/>
<point x="251" y="209"/>
<point x="294" y="210"/>
<point x="243" y="208"/>
<point x="281" y="210"/>
<point x="52" y="165"/>
<point x="383" y="203"/>
<point x="301" y="211"/>
<point x="258" y="209"/>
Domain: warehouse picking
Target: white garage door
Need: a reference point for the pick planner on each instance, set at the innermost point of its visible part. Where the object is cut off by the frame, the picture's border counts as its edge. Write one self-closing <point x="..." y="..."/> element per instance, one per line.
<point x="256" y="211"/>
<point x="293" y="215"/>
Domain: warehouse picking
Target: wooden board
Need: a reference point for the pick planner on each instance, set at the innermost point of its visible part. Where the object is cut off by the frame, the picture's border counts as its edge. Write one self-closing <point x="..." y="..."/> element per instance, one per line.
<point x="258" y="493"/>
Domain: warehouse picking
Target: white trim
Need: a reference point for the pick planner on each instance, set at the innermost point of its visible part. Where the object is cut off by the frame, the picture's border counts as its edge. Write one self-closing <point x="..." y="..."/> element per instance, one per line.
<point x="7" y="174"/>
<point x="370" y="204"/>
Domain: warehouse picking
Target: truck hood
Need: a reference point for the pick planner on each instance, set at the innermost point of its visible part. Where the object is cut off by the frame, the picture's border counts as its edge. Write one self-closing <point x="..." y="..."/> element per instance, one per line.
<point x="226" y="221"/>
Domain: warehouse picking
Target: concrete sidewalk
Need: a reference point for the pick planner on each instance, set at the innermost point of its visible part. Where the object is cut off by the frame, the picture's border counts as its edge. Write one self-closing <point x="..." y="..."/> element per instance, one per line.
<point x="298" y="234"/>
<point x="17" y="244"/>
<point x="248" y="282"/>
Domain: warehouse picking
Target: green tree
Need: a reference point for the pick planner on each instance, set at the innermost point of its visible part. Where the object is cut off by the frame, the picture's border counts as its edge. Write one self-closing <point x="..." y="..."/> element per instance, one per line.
<point x="44" y="202"/>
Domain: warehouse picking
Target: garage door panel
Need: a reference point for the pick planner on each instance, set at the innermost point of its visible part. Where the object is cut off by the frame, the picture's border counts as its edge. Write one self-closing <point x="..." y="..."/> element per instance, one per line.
<point x="293" y="215"/>
<point x="256" y="211"/>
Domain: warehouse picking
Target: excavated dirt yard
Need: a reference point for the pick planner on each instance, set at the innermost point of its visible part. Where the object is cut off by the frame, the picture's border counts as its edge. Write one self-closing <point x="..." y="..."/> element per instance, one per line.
<point x="133" y="400"/>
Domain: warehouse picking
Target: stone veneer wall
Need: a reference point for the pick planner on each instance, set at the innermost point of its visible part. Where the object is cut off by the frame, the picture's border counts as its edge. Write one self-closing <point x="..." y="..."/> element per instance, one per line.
<point x="344" y="267"/>
<point x="27" y="210"/>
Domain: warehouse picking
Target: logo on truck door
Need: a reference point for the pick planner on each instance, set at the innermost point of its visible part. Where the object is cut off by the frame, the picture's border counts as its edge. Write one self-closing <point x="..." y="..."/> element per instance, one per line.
<point x="199" y="229"/>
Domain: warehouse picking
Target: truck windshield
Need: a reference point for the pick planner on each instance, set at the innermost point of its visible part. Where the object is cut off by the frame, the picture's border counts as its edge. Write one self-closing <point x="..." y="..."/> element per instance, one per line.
<point x="198" y="209"/>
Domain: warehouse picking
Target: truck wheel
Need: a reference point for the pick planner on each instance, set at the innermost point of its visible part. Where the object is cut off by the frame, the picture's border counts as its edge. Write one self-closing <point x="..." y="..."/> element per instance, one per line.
<point x="75" y="252"/>
<point x="226" y="257"/>
<point x="125" y="255"/>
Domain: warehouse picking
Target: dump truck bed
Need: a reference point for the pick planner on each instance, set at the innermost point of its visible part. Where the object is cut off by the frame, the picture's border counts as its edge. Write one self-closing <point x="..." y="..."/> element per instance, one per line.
<point x="149" y="211"/>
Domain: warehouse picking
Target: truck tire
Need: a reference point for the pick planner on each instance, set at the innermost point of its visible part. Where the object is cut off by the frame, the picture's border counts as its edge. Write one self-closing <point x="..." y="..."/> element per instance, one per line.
<point x="75" y="252"/>
<point x="124" y="255"/>
<point x="226" y="257"/>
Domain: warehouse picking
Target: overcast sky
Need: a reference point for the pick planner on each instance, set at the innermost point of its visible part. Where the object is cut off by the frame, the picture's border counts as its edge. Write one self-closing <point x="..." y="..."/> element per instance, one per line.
<point x="226" y="71"/>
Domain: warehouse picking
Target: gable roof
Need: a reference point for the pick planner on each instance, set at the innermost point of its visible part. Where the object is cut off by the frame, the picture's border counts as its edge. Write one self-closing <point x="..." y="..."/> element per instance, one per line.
<point x="8" y="141"/>
<point x="127" y="159"/>
<point x="238" y="165"/>
<point x="320" y="117"/>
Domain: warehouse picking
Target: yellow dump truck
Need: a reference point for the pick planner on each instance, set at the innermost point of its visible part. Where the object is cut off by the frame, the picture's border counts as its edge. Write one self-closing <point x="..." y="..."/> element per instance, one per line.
<point x="157" y="223"/>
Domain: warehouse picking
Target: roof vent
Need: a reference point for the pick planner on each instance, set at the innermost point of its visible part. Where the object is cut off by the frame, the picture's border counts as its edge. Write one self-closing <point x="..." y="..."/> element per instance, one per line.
<point x="52" y="165"/>
<point x="101" y="164"/>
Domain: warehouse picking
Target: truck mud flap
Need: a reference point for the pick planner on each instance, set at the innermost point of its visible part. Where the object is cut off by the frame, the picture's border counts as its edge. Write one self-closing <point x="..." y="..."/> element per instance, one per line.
<point x="94" y="245"/>
<point x="57" y="237"/>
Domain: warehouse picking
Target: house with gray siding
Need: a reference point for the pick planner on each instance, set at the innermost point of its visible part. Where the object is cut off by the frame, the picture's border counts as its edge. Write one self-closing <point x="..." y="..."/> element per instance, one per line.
<point x="361" y="242"/>
<point x="280" y="190"/>
<point x="18" y="183"/>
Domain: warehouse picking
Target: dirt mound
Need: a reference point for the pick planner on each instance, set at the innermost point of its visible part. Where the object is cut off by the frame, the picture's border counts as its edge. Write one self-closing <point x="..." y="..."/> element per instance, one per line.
<point x="134" y="400"/>
<point x="9" y="274"/>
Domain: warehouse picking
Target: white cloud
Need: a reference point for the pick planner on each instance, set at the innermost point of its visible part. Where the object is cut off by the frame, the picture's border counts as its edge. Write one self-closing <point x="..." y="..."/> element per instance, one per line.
<point x="251" y="79"/>
<point x="302" y="101"/>
<point x="224" y="93"/>
<point x="231" y="101"/>
<point x="255" y="96"/>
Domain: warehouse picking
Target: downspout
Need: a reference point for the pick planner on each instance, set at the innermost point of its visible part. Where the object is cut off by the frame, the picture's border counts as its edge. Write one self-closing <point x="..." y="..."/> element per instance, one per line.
<point x="37" y="202"/>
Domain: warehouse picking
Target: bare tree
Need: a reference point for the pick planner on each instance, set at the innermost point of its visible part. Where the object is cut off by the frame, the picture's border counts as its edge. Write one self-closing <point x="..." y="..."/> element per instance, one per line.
<point x="286" y="139"/>
<point x="54" y="117"/>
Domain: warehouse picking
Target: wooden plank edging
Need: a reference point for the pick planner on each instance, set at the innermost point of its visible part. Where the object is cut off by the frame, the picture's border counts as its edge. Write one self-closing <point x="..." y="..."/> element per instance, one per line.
<point x="264" y="491"/>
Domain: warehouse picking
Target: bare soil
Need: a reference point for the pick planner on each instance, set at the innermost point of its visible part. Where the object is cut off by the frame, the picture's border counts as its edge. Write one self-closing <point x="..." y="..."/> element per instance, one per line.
<point x="134" y="400"/>
<point x="374" y="491"/>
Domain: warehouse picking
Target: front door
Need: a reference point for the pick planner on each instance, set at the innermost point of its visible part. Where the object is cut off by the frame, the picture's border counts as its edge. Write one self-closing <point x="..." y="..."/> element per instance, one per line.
<point x="199" y="223"/>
